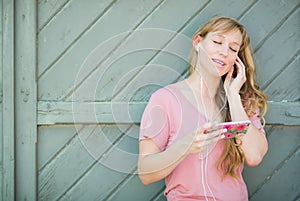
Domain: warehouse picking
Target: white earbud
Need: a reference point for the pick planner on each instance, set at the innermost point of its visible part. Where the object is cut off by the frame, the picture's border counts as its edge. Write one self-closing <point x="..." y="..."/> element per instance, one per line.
<point x="198" y="47"/>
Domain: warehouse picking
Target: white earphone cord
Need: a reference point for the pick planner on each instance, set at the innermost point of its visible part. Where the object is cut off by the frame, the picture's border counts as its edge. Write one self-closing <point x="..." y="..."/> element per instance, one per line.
<point x="204" y="166"/>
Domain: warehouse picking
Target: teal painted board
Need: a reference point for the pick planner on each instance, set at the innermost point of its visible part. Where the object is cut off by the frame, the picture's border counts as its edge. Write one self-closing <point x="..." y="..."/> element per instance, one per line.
<point x="8" y="112"/>
<point x="170" y="11"/>
<point x="160" y="197"/>
<point x="25" y="100"/>
<point x="48" y="9"/>
<point x="52" y="113"/>
<point x="264" y="16"/>
<point x="163" y="70"/>
<point x="95" y="185"/>
<point x="133" y="189"/>
<point x="53" y="85"/>
<point x="75" y="159"/>
<point x="1" y="105"/>
<point x="66" y="27"/>
<point x="283" y="141"/>
<point x="87" y="168"/>
<point x="286" y="42"/>
<point x="106" y="173"/>
<point x="162" y="58"/>
<point x="51" y="141"/>
<point x="282" y="88"/>
<point x="217" y="7"/>
<point x="283" y="113"/>
<point x="284" y="184"/>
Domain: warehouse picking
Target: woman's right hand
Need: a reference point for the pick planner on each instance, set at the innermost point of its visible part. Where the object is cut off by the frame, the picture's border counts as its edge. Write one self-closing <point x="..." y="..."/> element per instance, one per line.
<point x="199" y="140"/>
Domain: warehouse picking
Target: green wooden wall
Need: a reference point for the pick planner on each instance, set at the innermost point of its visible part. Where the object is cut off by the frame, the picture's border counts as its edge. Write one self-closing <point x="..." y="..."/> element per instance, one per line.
<point x="76" y="76"/>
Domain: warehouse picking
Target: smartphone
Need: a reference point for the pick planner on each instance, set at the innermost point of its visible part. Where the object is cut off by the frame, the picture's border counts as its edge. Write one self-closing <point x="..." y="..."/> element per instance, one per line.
<point x="234" y="73"/>
<point x="233" y="128"/>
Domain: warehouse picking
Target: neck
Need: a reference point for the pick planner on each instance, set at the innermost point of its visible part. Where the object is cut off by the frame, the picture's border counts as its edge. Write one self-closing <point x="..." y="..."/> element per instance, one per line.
<point x="209" y="83"/>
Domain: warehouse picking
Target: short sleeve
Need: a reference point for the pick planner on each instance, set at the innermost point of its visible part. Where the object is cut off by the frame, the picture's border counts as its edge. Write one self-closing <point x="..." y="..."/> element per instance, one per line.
<point x="154" y="122"/>
<point x="256" y="121"/>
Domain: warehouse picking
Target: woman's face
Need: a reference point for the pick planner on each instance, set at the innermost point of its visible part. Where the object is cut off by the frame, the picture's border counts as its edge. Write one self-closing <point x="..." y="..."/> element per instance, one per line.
<point x="222" y="49"/>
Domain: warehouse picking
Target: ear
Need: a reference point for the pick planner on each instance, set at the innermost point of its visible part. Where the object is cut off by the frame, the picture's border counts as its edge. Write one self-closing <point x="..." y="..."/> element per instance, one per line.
<point x="196" y="40"/>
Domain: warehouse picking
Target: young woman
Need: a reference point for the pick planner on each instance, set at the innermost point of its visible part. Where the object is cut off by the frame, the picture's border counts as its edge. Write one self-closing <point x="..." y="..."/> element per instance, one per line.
<point x="174" y="143"/>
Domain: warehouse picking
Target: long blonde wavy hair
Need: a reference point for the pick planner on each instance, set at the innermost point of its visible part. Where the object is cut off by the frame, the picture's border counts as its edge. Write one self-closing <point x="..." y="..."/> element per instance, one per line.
<point x="252" y="98"/>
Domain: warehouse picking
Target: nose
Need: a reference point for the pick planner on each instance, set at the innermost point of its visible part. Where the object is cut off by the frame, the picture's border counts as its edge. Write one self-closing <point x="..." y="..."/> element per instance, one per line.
<point x="224" y="50"/>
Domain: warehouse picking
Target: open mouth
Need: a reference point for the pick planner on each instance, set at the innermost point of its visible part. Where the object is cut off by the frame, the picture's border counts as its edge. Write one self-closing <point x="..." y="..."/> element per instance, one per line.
<point x="219" y="62"/>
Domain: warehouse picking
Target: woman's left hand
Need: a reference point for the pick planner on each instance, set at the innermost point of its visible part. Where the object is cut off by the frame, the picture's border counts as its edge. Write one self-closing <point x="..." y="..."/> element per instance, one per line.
<point x="233" y="85"/>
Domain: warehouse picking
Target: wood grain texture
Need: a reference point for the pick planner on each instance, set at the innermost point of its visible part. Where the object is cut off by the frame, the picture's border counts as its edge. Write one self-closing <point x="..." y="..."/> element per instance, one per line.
<point x="25" y="100"/>
<point x="1" y="105"/>
<point x="73" y="21"/>
<point x="77" y="158"/>
<point x="279" y="49"/>
<point x="49" y="113"/>
<point x="51" y="141"/>
<point x="48" y="9"/>
<point x="283" y="113"/>
<point x="283" y="143"/>
<point x="107" y="172"/>
<point x="87" y="142"/>
<point x="286" y="86"/>
<point x="128" y="190"/>
<point x="53" y="85"/>
<point x="8" y="111"/>
<point x="264" y="16"/>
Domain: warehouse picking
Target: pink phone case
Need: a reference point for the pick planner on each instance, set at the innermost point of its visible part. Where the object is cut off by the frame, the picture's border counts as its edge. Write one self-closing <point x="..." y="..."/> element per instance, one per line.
<point x="233" y="128"/>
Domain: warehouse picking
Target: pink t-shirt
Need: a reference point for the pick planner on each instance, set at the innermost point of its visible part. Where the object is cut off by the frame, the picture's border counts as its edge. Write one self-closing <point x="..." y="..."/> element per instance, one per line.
<point x="168" y="117"/>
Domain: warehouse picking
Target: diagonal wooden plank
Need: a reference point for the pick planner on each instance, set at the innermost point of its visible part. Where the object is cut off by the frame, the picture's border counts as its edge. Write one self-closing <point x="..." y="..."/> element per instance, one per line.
<point x="286" y="43"/>
<point x="92" y="141"/>
<point x="152" y="38"/>
<point x="127" y="190"/>
<point x="283" y="141"/>
<point x="177" y="62"/>
<point x="55" y="79"/>
<point x="282" y="88"/>
<point x="287" y="49"/>
<point x="101" y="177"/>
<point x="52" y="141"/>
<point x="289" y="186"/>
<point x="47" y="10"/>
<point x="264" y="16"/>
<point x="64" y="30"/>
<point x="217" y="7"/>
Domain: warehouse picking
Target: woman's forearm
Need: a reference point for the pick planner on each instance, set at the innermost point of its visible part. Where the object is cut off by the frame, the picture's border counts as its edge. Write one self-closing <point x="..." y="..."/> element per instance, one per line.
<point x="254" y="143"/>
<point x="156" y="166"/>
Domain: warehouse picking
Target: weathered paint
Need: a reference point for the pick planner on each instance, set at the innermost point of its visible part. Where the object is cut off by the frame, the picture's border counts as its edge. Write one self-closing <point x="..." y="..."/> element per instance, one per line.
<point x="25" y="91"/>
<point x="7" y="164"/>
<point x="82" y="161"/>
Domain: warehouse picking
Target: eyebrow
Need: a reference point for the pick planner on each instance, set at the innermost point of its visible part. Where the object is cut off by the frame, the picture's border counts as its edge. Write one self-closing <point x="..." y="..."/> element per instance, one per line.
<point x="216" y="34"/>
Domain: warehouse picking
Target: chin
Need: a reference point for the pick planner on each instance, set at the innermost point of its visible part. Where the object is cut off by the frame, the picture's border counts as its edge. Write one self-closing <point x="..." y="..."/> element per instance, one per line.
<point x="222" y="72"/>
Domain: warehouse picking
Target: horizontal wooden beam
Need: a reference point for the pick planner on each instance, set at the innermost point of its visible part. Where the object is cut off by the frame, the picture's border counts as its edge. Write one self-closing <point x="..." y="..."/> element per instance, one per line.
<point x="285" y="113"/>
<point x="89" y="112"/>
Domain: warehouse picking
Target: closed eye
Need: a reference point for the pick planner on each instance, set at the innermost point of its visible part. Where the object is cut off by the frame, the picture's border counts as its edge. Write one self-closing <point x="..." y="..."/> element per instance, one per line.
<point x="217" y="42"/>
<point x="234" y="50"/>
